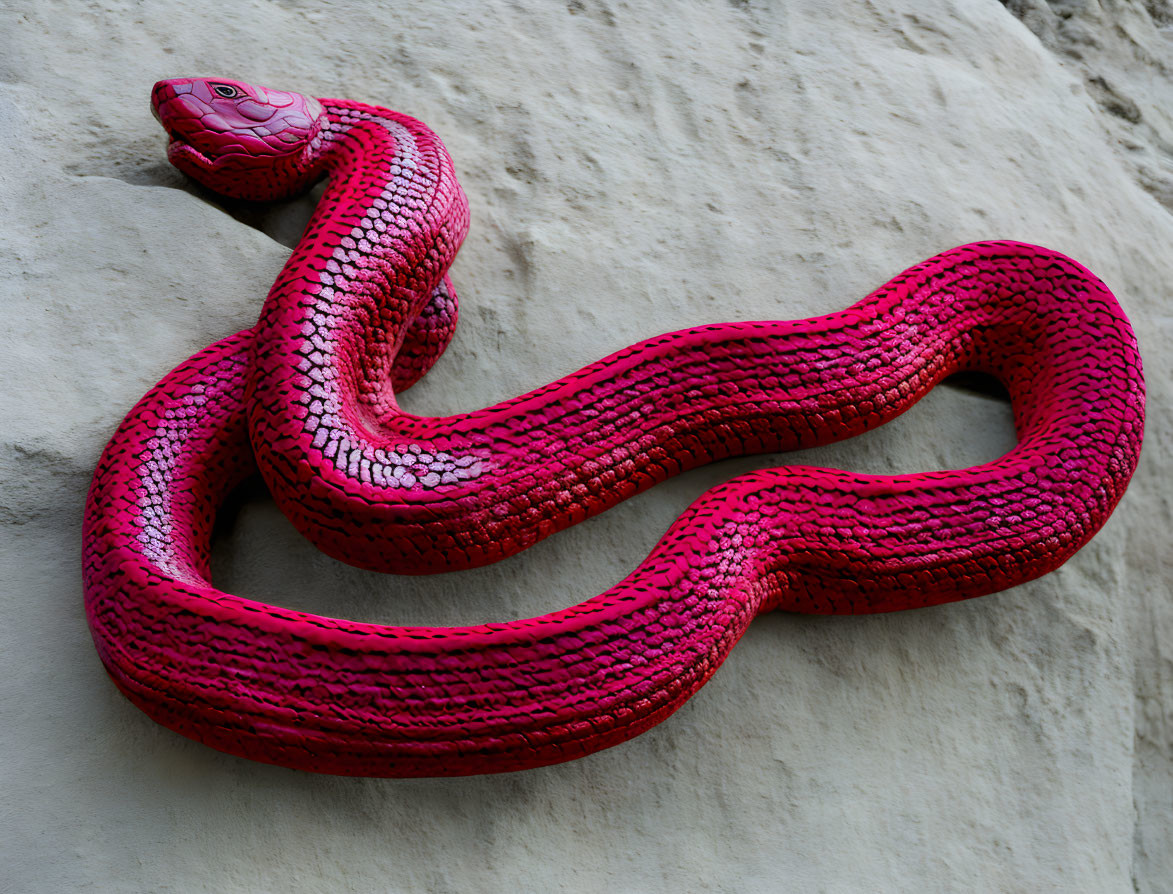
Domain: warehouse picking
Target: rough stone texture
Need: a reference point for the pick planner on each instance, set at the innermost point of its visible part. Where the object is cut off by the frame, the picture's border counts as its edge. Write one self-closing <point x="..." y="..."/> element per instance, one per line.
<point x="632" y="169"/>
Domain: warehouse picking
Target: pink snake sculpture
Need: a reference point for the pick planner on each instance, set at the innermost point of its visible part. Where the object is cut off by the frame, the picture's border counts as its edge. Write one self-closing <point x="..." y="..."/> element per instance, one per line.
<point x="364" y="307"/>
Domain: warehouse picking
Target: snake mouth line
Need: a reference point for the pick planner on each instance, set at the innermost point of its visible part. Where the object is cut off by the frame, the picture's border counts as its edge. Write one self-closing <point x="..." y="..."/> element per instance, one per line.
<point x="177" y="144"/>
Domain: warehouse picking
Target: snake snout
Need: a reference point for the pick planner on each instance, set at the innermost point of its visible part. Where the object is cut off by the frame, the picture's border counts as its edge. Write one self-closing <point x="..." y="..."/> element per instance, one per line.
<point x="171" y="110"/>
<point x="165" y="91"/>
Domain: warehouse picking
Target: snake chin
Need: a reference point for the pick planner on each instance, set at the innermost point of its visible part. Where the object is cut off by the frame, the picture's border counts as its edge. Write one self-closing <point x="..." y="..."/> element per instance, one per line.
<point x="180" y="149"/>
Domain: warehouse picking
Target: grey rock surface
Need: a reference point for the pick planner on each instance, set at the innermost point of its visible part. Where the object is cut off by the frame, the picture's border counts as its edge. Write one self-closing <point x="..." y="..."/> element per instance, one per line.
<point x="633" y="167"/>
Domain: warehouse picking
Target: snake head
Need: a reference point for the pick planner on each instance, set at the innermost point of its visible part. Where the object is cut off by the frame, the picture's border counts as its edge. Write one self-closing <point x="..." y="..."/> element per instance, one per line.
<point x="241" y="140"/>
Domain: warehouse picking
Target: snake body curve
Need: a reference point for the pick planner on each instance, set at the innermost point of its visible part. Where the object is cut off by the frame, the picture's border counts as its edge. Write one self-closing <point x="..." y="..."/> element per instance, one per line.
<point x="361" y="310"/>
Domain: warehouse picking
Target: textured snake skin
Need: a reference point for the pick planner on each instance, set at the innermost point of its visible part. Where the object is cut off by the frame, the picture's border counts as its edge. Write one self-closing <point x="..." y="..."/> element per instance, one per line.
<point x="363" y="307"/>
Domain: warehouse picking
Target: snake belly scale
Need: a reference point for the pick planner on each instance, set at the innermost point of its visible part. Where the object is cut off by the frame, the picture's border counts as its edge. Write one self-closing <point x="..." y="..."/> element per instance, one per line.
<point x="364" y="307"/>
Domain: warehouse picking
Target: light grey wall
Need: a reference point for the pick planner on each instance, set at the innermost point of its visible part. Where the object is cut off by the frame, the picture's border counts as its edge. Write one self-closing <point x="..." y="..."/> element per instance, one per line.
<point x="633" y="167"/>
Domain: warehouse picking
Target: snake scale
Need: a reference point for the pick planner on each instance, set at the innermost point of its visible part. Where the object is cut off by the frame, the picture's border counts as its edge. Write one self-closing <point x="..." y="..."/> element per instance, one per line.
<point x="362" y="309"/>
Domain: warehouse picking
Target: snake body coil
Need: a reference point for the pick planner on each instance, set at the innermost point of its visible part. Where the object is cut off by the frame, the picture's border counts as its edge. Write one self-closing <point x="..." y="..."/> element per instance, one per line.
<point x="362" y="309"/>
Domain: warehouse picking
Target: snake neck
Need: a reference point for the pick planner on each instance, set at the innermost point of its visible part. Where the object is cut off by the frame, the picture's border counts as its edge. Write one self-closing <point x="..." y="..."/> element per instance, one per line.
<point x="381" y="239"/>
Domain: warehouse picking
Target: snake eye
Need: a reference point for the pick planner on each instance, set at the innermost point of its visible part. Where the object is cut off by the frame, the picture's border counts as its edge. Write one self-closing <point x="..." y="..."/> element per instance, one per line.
<point x="225" y="90"/>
